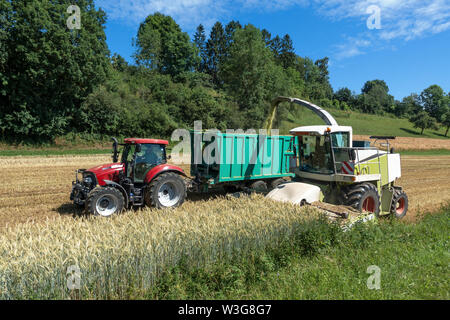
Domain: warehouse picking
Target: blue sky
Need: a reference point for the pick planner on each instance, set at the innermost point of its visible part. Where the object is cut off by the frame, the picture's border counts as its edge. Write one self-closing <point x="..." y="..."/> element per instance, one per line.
<point x="409" y="48"/>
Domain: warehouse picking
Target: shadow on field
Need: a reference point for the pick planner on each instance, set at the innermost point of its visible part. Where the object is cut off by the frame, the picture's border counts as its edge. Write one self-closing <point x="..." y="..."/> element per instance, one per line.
<point x="440" y="135"/>
<point x="203" y="196"/>
<point x="74" y="211"/>
<point x="70" y="209"/>
<point x="411" y="131"/>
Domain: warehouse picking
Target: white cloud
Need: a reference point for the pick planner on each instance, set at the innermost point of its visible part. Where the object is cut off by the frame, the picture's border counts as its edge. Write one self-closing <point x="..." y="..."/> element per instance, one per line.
<point x="400" y="19"/>
<point x="189" y="13"/>
<point x="353" y="47"/>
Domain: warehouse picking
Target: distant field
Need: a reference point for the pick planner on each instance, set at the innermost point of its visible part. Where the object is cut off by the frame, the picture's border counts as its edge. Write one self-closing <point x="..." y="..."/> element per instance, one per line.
<point x="51" y="152"/>
<point x="404" y="145"/>
<point x="413" y="144"/>
<point x="364" y="124"/>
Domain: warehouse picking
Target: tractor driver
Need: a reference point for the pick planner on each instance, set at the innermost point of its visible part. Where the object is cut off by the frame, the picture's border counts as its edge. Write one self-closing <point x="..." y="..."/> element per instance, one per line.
<point x="150" y="156"/>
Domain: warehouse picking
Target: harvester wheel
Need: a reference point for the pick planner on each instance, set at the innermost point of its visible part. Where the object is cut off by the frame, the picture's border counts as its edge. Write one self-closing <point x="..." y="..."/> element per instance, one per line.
<point x="399" y="205"/>
<point x="167" y="190"/>
<point x="363" y="197"/>
<point x="105" y="201"/>
<point x="258" y="186"/>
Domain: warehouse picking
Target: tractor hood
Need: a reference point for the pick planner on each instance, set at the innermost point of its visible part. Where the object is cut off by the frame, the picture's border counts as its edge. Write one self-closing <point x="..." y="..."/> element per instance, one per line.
<point x="108" y="171"/>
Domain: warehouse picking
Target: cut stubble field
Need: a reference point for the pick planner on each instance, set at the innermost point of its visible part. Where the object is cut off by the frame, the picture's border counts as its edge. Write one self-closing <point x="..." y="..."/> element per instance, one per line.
<point x="35" y="189"/>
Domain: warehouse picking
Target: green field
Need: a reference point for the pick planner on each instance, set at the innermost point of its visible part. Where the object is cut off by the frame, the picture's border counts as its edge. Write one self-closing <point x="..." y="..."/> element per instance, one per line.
<point x="362" y="123"/>
<point x="323" y="263"/>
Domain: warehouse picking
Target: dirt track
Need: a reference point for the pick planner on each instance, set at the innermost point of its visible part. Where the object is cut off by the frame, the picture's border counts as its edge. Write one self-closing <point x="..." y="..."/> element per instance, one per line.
<point x="37" y="188"/>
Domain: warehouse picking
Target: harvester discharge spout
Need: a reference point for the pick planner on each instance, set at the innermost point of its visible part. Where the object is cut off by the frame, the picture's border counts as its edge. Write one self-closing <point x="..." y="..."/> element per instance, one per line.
<point x="323" y="114"/>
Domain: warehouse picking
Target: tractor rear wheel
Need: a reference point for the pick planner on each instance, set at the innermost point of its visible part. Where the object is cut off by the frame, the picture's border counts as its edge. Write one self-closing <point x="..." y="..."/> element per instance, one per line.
<point x="363" y="197"/>
<point x="105" y="201"/>
<point x="167" y="190"/>
<point x="399" y="205"/>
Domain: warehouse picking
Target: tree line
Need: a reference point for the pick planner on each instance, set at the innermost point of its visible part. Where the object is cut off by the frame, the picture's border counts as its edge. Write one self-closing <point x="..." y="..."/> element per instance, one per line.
<point x="55" y="81"/>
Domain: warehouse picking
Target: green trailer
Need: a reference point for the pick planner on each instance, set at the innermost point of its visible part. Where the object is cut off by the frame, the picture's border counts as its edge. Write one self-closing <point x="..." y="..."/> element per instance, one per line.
<point x="239" y="161"/>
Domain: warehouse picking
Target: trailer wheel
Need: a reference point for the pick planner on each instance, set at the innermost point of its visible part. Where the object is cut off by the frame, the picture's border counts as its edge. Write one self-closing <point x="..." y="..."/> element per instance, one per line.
<point x="167" y="190"/>
<point x="399" y="205"/>
<point x="105" y="201"/>
<point x="259" y="186"/>
<point x="275" y="183"/>
<point x="363" y="197"/>
<point x="230" y="188"/>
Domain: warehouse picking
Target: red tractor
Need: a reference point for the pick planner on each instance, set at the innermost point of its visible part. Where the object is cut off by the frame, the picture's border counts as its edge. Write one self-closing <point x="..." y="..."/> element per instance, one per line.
<point x="142" y="177"/>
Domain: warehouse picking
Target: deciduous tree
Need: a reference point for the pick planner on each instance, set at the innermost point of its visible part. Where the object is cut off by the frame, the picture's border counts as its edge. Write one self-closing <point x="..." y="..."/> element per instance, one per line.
<point x="422" y="120"/>
<point x="47" y="69"/>
<point x="162" y="45"/>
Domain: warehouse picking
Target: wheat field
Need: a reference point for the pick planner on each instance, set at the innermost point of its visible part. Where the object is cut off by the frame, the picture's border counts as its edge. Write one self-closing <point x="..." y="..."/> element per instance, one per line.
<point x="42" y="233"/>
<point x="36" y="189"/>
<point x="130" y="250"/>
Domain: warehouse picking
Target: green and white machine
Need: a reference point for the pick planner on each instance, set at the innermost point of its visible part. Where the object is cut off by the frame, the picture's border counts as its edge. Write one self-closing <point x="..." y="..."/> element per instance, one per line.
<point x="331" y="169"/>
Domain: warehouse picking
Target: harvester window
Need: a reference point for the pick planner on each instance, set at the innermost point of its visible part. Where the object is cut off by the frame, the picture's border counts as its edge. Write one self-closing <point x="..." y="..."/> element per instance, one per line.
<point x="340" y="139"/>
<point x="341" y="142"/>
<point x="315" y="154"/>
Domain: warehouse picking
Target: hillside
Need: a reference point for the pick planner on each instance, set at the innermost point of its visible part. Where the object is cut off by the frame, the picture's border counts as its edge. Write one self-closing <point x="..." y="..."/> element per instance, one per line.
<point x="363" y="124"/>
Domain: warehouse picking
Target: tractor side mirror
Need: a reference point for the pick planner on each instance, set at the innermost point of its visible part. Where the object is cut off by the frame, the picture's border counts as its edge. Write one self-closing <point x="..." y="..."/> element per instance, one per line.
<point x="138" y="148"/>
<point x="352" y="154"/>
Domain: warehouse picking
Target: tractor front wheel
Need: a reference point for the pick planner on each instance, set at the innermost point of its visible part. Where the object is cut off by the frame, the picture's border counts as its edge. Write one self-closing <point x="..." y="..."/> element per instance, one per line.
<point x="105" y="201"/>
<point x="363" y="197"/>
<point x="167" y="190"/>
<point x="399" y="205"/>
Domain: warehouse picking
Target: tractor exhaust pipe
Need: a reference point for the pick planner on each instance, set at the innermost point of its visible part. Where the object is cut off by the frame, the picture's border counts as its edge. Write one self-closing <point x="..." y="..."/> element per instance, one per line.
<point x="115" y="153"/>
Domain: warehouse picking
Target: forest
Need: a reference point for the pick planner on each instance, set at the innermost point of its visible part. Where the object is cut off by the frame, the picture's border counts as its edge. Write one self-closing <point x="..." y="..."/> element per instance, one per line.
<point x="56" y="82"/>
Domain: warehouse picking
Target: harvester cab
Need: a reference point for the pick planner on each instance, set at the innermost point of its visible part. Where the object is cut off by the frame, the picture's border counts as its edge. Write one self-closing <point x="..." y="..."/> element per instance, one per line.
<point x="142" y="177"/>
<point x="331" y="169"/>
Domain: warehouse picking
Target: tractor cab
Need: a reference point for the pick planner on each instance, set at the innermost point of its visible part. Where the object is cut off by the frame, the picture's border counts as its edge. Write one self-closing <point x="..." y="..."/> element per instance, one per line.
<point x="139" y="156"/>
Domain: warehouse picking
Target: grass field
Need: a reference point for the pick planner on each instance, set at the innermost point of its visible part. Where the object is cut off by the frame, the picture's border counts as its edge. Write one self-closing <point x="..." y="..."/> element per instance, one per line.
<point x="412" y="260"/>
